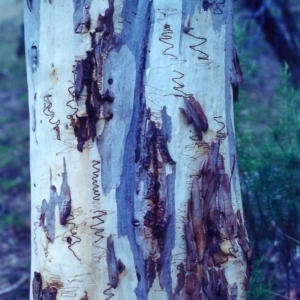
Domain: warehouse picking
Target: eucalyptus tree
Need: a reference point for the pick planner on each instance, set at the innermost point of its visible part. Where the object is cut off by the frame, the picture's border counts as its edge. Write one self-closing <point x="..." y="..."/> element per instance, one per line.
<point x="135" y="188"/>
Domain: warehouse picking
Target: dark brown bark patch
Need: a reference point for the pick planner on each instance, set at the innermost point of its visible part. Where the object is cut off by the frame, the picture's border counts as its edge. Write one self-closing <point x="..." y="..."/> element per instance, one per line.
<point x="180" y="278"/>
<point x="47" y="293"/>
<point x="210" y="221"/>
<point x="88" y="81"/>
<point x="195" y="115"/>
<point x="36" y="286"/>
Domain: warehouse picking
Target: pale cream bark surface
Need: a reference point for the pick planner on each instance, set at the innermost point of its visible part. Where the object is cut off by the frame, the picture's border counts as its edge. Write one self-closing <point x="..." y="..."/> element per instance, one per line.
<point x="74" y="261"/>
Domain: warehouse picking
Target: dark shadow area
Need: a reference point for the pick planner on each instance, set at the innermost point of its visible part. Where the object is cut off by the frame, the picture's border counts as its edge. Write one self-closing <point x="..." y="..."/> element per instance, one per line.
<point x="267" y="120"/>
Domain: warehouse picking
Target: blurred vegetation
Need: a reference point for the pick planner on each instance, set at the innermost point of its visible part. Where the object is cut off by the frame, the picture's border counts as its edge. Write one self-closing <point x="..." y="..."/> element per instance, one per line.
<point x="269" y="157"/>
<point x="14" y="138"/>
<point x="267" y="119"/>
<point x="14" y="155"/>
<point x="267" y="122"/>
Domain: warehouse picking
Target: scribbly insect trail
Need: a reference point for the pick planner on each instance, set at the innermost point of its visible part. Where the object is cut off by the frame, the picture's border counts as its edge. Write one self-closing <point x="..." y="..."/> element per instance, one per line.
<point x="186" y="29"/>
<point x="51" y="114"/>
<point x="108" y="292"/>
<point x="73" y="238"/>
<point x="179" y="86"/>
<point x="166" y="38"/>
<point x="221" y="135"/>
<point x="88" y="82"/>
<point x="35" y="229"/>
<point x="69" y="292"/>
<point x="38" y="292"/>
<point x="95" y="180"/>
<point x="98" y="213"/>
<point x="74" y="109"/>
<point x="64" y="203"/>
<point x="97" y="227"/>
<point x="34" y="238"/>
<point x="114" y="268"/>
<point x="203" y="55"/>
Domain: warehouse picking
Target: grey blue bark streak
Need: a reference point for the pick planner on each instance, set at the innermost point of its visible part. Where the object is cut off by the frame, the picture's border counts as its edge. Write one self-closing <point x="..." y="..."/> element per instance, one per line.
<point x="48" y="208"/>
<point x="166" y="124"/>
<point x="81" y="14"/>
<point x="112" y="139"/>
<point x="229" y="44"/>
<point x="138" y="16"/>
<point x="166" y="254"/>
<point x="135" y="35"/>
<point x="217" y="8"/>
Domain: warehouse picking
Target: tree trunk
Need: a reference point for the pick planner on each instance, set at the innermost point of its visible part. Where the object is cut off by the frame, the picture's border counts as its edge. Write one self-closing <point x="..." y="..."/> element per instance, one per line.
<point x="135" y="188"/>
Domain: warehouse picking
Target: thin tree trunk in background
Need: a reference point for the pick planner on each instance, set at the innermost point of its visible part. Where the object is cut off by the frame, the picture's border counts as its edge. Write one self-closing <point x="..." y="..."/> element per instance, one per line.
<point x="135" y="188"/>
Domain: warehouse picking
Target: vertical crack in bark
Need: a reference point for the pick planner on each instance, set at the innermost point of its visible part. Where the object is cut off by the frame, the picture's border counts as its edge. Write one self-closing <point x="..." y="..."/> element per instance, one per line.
<point x="135" y="35"/>
<point x="236" y="75"/>
<point x="245" y="245"/>
<point x="154" y="192"/>
<point x="34" y="57"/>
<point x="114" y="266"/>
<point x="29" y="5"/>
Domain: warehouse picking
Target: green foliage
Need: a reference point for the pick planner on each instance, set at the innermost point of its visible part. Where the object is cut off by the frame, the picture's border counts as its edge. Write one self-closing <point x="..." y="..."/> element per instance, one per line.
<point x="269" y="160"/>
<point x="14" y="128"/>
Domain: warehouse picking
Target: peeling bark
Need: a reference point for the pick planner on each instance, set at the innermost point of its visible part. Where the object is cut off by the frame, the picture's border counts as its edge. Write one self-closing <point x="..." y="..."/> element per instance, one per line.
<point x="132" y="151"/>
<point x="47" y="293"/>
